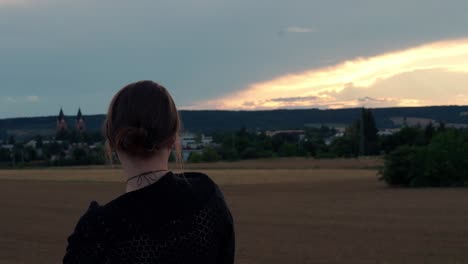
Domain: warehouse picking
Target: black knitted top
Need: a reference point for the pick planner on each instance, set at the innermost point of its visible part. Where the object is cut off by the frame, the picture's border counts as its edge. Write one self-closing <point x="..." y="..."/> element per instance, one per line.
<point x="181" y="218"/>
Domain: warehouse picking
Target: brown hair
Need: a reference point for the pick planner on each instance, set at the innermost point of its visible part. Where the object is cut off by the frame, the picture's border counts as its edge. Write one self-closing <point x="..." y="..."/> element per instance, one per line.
<point x="142" y="118"/>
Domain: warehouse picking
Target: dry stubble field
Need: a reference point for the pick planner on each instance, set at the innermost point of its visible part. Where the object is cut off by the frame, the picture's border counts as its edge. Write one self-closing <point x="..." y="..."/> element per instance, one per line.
<point x="288" y="211"/>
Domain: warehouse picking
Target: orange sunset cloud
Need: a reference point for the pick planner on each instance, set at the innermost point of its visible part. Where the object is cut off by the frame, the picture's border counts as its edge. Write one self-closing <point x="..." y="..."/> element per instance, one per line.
<point x="434" y="73"/>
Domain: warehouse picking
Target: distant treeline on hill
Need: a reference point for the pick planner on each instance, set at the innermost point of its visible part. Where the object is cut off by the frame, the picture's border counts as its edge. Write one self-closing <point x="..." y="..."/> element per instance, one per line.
<point x="210" y="121"/>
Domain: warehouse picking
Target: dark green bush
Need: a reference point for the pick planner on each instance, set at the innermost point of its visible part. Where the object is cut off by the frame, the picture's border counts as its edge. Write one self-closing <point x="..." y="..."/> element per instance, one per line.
<point x="444" y="162"/>
<point x="210" y="155"/>
<point x="397" y="166"/>
<point x="195" y="157"/>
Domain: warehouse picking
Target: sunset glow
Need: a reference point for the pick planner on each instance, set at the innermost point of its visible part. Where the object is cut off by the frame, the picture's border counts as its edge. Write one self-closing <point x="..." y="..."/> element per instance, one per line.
<point x="334" y="87"/>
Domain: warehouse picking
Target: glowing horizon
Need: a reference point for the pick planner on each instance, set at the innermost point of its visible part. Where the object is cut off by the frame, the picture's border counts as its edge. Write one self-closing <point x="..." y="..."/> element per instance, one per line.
<point x="325" y="87"/>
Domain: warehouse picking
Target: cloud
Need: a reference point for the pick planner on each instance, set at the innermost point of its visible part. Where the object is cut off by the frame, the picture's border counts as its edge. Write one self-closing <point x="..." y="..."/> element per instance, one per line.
<point x="299" y="30"/>
<point x="25" y="3"/>
<point x="32" y="98"/>
<point x="294" y="99"/>
<point x="29" y="99"/>
<point x="429" y="74"/>
<point x="422" y="87"/>
<point x="10" y="100"/>
<point x="8" y="2"/>
<point x="295" y="30"/>
<point x="370" y="99"/>
<point x="14" y="2"/>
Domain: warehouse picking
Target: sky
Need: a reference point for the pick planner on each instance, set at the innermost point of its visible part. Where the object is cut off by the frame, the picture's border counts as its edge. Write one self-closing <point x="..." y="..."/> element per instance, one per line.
<point x="239" y="55"/>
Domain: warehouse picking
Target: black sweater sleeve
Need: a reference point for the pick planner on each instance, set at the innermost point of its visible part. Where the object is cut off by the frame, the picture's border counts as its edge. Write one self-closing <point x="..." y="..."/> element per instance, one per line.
<point x="228" y="246"/>
<point x="85" y="244"/>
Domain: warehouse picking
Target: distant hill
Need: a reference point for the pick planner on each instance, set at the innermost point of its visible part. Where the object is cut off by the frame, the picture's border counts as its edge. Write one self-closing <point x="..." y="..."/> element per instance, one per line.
<point x="209" y="121"/>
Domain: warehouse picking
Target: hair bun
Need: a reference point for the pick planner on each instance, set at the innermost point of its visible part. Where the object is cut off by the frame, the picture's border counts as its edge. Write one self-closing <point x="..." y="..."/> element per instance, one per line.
<point x="142" y="119"/>
<point x="134" y="140"/>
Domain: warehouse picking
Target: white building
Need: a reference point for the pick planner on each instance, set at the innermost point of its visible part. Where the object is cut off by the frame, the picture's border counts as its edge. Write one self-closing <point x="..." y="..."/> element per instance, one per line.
<point x="276" y="132"/>
<point x="32" y="143"/>
<point x="46" y="142"/>
<point x="187" y="139"/>
<point x="8" y="146"/>
<point x="329" y="140"/>
<point x="388" y="131"/>
<point x="206" y="140"/>
<point x="193" y="141"/>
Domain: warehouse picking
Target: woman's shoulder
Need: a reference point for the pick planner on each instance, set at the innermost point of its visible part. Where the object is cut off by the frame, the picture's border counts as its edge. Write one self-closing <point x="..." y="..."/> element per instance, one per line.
<point x="92" y="216"/>
<point x="196" y="180"/>
<point x="88" y="223"/>
<point x="85" y="243"/>
<point x="194" y="177"/>
<point x="200" y="183"/>
<point x="187" y="189"/>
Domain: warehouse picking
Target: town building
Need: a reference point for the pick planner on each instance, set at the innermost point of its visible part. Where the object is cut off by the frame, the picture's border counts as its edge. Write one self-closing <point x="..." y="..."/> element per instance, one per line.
<point x="388" y="131"/>
<point x="299" y="133"/>
<point x="194" y="141"/>
<point x="80" y="124"/>
<point x="61" y="122"/>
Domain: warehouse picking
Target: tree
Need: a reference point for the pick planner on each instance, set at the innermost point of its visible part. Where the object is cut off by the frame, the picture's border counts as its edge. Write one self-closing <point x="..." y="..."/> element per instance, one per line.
<point x="288" y="150"/>
<point x="209" y="155"/>
<point x="263" y="147"/>
<point x="397" y="166"/>
<point x="227" y="148"/>
<point x="18" y="154"/>
<point x="441" y="127"/>
<point x="242" y="140"/>
<point x="195" y="157"/>
<point x="349" y="144"/>
<point x="198" y="138"/>
<point x="367" y="133"/>
<point x="429" y="132"/>
<point x="410" y="136"/>
<point x="53" y="149"/>
<point x="39" y="142"/>
<point x="97" y="156"/>
<point x="345" y="146"/>
<point x="444" y="162"/>
<point x="62" y="134"/>
<point x="12" y="140"/>
<point x="5" y="155"/>
<point x="313" y="142"/>
<point x="29" y="154"/>
<point x="79" y="154"/>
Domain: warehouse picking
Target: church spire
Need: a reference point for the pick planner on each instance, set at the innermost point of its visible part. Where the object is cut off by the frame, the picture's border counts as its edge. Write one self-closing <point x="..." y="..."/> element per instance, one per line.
<point x="61" y="123"/>
<point x="61" y="116"/>
<point x="80" y="124"/>
<point x="79" y="115"/>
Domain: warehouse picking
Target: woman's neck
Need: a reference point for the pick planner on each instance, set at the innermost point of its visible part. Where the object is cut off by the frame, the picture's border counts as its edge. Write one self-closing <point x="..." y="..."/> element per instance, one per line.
<point x="133" y="167"/>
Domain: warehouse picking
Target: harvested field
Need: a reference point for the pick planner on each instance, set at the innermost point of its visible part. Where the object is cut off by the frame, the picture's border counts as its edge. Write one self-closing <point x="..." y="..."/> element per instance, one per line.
<point x="282" y="215"/>
<point x="293" y="163"/>
<point x="276" y="163"/>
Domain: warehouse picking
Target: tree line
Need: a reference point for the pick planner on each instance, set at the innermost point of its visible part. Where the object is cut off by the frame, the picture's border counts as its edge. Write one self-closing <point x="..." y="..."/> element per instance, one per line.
<point x="360" y="138"/>
<point x="414" y="156"/>
<point x="65" y="149"/>
<point x="433" y="155"/>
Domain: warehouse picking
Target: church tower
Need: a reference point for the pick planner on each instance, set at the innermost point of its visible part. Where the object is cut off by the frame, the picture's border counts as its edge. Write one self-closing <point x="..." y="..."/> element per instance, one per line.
<point x="80" y="124"/>
<point x="61" y="123"/>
